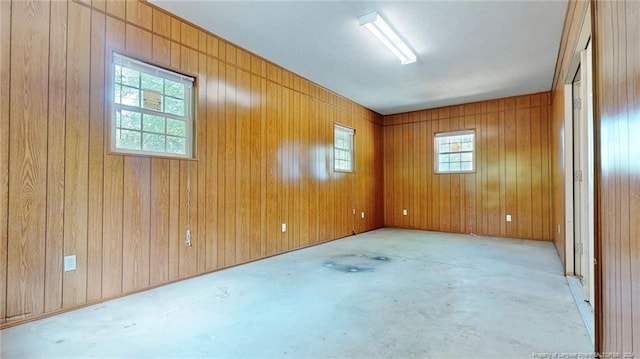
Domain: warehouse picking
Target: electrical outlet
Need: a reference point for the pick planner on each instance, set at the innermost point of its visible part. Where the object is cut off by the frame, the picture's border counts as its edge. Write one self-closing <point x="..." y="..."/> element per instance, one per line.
<point x="405" y="212"/>
<point x="362" y="215"/>
<point x="70" y="263"/>
<point x="508" y="218"/>
<point x="284" y="227"/>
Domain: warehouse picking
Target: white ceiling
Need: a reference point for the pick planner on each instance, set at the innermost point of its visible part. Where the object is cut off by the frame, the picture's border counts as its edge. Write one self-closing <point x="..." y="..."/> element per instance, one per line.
<point x="467" y="50"/>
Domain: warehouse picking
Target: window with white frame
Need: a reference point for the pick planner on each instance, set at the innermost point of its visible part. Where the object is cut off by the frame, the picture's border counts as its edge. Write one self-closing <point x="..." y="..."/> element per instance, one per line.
<point x="454" y="151"/>
<point x="152" y="110"/>
<point x="343" y="148"/>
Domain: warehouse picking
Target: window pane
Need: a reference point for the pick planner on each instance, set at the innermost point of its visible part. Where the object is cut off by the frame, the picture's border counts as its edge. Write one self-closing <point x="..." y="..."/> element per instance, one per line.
<point x="117" y="74"/>
<point x="130" y="77"/>
<point x="176" y="145"/>
<point x="117" y="89"/>
<point x="153" y="124"/>
<point x="130" y="120"/>
<point x="128" y="139"/>
<point x="176" y="128"/>
<point x="153" y="142"/>
<point x="151" y="112"/>
<point x="173" y="89"/>
<point x="454" y="151"/>
<point x="130" y="96"/>
<point x="174" y="106"/>
<point x="152" y="82"/>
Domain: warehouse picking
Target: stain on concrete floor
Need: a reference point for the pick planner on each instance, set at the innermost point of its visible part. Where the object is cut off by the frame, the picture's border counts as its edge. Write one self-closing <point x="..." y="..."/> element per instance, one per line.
<point x="355" y="263"/>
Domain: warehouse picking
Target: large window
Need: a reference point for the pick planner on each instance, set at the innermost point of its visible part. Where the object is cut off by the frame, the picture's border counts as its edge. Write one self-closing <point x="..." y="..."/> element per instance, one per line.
<point x="343" y="148"/>
<point x="152" y="110"/>
<point x="454" y="151"/>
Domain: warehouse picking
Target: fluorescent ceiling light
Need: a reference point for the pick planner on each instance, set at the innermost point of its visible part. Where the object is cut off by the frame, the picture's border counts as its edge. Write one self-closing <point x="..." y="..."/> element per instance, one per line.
<point x="381" y="30"/>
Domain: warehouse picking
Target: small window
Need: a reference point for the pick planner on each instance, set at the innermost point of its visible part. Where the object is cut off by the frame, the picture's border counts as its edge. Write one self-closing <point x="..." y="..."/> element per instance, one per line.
<point x="454" y="151"/>
<point x="152" y="110"/>
<point x="343" y="148"/>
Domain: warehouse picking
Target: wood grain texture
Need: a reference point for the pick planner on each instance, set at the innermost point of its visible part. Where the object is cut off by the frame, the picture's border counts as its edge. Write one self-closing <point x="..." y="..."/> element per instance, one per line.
<point x="504" y="181"/>
<point x="96" y="156"/>
<point x="5" y="95"/>
<point x="264" y="156"/>
<point x="136" y="223"/>
<point x="28" y="161"/>
<point x="76" y="184"/>
<point x="56" y="156"/>
<point x="617" y="103"/>
<point x="112" y="210"/>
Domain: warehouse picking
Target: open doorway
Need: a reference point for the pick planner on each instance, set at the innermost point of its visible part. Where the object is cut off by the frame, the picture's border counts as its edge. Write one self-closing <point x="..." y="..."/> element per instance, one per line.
<point x="583" y="175"/>
<point x="579" y="176"/>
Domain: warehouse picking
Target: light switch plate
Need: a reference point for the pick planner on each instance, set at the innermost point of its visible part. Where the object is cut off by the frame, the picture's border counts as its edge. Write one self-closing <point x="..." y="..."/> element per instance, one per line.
<point x="284" y="227"/>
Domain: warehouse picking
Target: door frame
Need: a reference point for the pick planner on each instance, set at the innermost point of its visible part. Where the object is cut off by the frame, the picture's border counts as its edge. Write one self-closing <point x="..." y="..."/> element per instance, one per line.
<point x="588" y="134"/>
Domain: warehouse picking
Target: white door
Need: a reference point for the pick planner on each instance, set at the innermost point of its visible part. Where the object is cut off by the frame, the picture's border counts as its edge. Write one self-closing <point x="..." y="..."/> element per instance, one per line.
<point x="583" y="166"/>
<point x="578" y="248"/>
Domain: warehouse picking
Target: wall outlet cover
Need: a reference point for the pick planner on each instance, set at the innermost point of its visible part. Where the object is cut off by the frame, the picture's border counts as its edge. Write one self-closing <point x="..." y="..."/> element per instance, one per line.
<point x="70" y="263"/>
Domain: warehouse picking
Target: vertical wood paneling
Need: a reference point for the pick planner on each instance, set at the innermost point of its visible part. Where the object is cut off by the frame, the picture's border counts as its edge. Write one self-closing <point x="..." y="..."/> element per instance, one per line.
<point x="135" y="226"/>
<point x="159" y="226"/>
<point x="524" y="172"/>
<point x="272" y="225"/>
<point x="76" y="153"/>
<point x="507" y="138"/>
<point x="5" y="89"/>
<point x="211" y="139"/>
<point x="113" y="192"/>
<point x="255" y="165"/>
<point x="96" y="156"/>
<point x="56" y="155"/>
<point x="264" y="148"/>
<point x="201" y="153"/>
<point x="231" y="166"/>
<point x="28" y="160"/>
<point x="243" y="160"/>
<point x="510" y="179"/>
<point x="617" y="102"/>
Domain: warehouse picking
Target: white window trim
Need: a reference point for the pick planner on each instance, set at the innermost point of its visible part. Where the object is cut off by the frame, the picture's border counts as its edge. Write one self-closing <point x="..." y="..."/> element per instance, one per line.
<point x="436" y="150"/>
<point x="351" y="132"/>
<point x="149" y="68"/>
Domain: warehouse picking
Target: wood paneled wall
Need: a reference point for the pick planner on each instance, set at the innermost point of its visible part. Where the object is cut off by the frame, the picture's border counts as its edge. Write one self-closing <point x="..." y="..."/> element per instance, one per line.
<point x="512" y="170"/>
<point x="617" y="97"/>
<point x="264" y="157"/>
<point x="574" y="17"/>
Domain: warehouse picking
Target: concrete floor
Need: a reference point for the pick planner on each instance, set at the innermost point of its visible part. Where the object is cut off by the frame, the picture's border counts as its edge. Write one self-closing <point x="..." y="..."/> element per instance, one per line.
<point x="389" y="293"/>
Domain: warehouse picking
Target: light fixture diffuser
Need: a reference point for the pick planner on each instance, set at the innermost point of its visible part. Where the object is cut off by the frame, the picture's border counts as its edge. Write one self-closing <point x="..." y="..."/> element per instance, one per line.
<point x="383" y="32"/>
